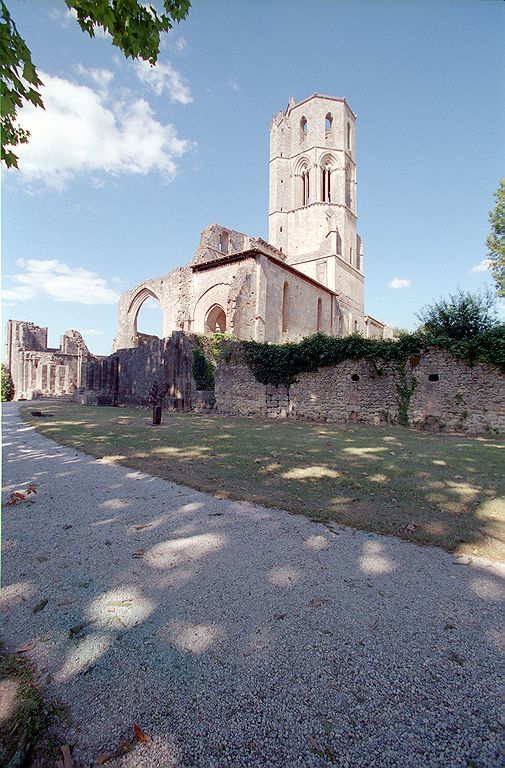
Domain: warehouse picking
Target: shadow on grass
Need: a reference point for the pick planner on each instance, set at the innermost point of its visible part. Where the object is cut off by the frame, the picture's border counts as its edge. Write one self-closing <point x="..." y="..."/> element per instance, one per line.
<point x="216" y="626"/>
<point x="439" y="489"/>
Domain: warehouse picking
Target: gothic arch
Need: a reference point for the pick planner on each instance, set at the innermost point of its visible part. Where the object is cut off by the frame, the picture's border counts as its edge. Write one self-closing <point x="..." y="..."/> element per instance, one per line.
<point x="215" y="319"/>
<point x="215" y="296"/>
<point x="142" y="294"/>
<point x="327" y="168"/>
<point x="303" y="182"/>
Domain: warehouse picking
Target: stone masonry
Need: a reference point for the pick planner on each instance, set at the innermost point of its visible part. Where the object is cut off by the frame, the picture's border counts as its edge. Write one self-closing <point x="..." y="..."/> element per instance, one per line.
<point x="448" y="393"/>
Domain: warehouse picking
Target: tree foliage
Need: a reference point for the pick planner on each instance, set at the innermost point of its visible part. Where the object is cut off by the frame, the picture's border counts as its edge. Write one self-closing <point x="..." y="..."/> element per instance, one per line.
<point x="134" y="27"/>
<point x="461" y="316"/>
<point x="6" y="384"/>
<point x="496" y="239"/>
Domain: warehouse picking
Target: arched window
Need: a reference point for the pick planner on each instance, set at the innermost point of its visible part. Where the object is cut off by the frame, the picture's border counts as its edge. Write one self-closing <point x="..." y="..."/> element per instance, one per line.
<point x="326" y="184"/>
<point x="319" y="315"/>
<point x="224" y="242"/>
<point x="348" y="135"/>
<point x="285" y="307"/>
<point x="215" y="322"/>
<point x="303" y="128"/>
<point x="305" y="177"/>
<point x="348" y="196"/>
<point x="328" y="120"/>
<point x="350" y="255"/>
<point x="359" y="252"/>
<point x="339" y="243"/>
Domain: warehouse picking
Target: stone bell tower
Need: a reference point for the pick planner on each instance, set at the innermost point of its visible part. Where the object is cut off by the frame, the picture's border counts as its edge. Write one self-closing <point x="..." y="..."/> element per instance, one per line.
<point x="312" y="205"/>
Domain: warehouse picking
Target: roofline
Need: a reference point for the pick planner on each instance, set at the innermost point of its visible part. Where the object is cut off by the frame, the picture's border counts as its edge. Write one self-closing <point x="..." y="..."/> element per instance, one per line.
<point x="321" y="96"/>
<point x="252" y="253"/>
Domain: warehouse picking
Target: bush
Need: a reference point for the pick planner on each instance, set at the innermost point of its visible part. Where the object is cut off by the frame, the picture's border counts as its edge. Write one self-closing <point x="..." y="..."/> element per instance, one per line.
<point x="461" y="316"/>
<point x="6" y="385"/>
<point x="203" y="370"/>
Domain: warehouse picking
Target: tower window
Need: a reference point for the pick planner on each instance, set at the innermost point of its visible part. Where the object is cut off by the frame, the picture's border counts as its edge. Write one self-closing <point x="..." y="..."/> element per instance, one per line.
<point x="350" y="255"/>
<point x="305" y="186"/>
<point x="348" y="135"/>
<point x="327" y="125"/>
<point x="285" y="307"/>
<point x="319" y="315"/>
<point x="303" y="128"/>
<point x="348" y="197"/>
<point x="326" y="195"/>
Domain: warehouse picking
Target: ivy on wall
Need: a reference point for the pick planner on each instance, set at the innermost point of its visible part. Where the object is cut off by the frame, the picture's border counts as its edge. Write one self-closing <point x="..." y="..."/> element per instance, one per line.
<point x="282" y="363"/>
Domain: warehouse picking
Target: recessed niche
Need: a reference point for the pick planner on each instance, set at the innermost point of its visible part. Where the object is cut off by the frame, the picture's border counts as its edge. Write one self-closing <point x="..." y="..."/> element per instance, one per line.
<point x="354" y="377"/>
<point x="433" y="377"/>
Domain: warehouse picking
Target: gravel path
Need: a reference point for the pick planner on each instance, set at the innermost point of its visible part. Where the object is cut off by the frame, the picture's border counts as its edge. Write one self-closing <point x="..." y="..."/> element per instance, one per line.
<point x="236" y="635"/>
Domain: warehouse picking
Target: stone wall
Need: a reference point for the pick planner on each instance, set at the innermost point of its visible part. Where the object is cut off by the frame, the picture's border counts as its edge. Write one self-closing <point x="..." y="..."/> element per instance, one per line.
<point x="448" y="393"/>
<point x="40" y="371"/>
<point x="126" y="376"/>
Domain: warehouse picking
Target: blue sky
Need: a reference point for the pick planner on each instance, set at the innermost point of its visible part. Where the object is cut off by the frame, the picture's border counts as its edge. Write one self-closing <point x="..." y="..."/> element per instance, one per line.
<point x="127" y="165"/>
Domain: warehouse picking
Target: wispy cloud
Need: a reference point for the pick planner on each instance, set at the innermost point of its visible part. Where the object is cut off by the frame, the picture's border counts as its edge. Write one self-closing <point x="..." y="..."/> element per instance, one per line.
<point x="89" y="332"/>
<point x="483" y="266"/>
<point x="400" y="282"/>
<point x="234" y="85"/>
<point x="163" y="78"/>
<point x="85" y="130"/>
<point x="55" y="279"/>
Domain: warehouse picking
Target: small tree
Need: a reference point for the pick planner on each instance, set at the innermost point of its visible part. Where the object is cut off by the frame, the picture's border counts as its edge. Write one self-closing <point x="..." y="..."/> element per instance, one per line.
<point x="7" y="385"/>
<point x="496" y="239"/>
<point x="461" y="316"/>
<point x="155" y="397"/>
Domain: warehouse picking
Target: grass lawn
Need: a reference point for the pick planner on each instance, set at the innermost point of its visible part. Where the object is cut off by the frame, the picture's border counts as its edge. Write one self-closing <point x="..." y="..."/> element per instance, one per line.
<point x="382" y="479"/>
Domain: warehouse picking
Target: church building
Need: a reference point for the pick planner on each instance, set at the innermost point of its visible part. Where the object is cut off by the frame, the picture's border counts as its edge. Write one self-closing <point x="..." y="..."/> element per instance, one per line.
<point x="309" y="277"/>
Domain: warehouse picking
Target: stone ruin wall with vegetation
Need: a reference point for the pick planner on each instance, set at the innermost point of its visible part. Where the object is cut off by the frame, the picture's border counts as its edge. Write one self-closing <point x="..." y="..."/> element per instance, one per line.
<point x="433" y="390"/>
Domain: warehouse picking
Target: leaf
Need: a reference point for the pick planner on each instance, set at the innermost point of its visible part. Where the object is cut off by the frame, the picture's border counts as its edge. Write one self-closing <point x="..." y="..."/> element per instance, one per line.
<point x="411" y="527"/>
<point x="74" y="631"/>
<point x="140" y="735"/>
<point x="139" y="554"/>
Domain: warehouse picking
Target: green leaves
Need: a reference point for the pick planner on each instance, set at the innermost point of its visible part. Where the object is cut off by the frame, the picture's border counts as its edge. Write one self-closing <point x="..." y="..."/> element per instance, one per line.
<point x="496" y="239"/>
<point x="282" y="363"/>
<point x="134" y="27"/>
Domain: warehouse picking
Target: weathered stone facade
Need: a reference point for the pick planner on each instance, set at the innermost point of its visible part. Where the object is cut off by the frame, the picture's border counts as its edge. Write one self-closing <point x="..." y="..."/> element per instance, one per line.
<point x="448" y="393"/>
<point x="309" y="277"/>
<point x="126" y="376"/>
<point x="38" y="370"/>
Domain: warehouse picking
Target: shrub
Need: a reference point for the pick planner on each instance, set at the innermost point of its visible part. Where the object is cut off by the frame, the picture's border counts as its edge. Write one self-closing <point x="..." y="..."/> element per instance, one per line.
<point x="6" y="385"/>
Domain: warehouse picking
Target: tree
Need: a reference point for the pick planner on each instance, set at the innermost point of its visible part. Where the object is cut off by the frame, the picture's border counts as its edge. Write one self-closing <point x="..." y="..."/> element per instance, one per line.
<point x="461" y="316"/>
<point x="135" y="28"/>
<point x="496" y="239"/>
<point x="6" y="384"/>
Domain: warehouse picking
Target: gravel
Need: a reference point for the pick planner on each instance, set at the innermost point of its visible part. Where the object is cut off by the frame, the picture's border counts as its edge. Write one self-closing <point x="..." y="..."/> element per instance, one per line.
<point x="235" y="635"/>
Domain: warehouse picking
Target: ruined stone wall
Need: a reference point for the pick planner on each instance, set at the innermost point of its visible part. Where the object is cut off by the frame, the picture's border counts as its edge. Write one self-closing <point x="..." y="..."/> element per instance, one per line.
<point x="448" y="394"/>
<point x="126" y="376"/>
<point x="38" y="371"/>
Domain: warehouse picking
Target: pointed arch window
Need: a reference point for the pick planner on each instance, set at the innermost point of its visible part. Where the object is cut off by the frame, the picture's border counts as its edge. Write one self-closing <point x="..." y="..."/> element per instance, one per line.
<point x="319" y="315"/>
<point x="305" y="182"/>
<point x="285" y="307"/>
<point x="326" y="184"/>
<point x="303" y="128"/>
<point x="348" y="177"/>
<point x="328" y="121"/>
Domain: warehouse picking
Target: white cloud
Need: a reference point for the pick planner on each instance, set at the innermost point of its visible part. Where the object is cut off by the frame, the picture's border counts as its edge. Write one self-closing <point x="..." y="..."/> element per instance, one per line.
<point x="82" y="130"/>
<point x="484" y="265"/>
<point x="53" y="278"/>
<point x="102" y="78"/>
<point x="164" y="78"/>
<point x="234" y="85"/>
<point x="400" y="282"/>
<point x="180" y="45"/>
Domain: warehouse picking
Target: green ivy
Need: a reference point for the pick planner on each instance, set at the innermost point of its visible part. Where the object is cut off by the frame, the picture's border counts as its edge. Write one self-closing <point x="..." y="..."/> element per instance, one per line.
<point x="203" y="369"/>
<point x="282" y="363"/>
